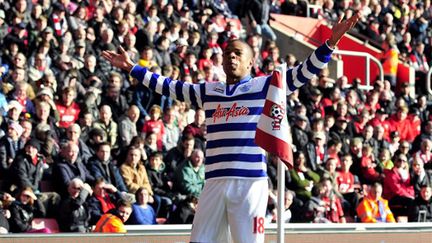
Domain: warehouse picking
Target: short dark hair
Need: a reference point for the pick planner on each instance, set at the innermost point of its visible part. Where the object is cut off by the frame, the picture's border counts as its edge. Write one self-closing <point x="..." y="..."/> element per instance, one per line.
<point x="123" y="203"/>
<point x="103" y="144"/>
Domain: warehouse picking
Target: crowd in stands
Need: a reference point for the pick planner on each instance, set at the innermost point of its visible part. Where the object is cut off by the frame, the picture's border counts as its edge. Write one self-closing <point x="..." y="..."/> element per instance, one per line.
<point x="80" y="135"/>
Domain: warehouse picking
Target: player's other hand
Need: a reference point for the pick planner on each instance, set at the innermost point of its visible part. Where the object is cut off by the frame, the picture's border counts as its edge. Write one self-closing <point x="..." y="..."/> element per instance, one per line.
<point x="120" y="59"/>
<point x="341" y="27"/>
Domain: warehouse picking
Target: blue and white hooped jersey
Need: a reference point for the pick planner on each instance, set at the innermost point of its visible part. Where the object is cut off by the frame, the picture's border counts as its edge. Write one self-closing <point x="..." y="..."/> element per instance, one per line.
<point x="232" y="113"/>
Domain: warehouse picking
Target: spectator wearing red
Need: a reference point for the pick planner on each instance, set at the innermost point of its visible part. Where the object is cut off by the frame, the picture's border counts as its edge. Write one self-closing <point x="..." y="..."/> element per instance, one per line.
<point x="368" y="165"/>
<point x="371" y="103"/>
<point x="397" y="186"/>
<point x="67" y="108"/>
<point x="205" y="60"/>
<point x="360" y="123"/>
<point x="347" y="184"/>
<point x="155" y="125"/>
<point x="380" y="119"/>
<point x="195" y="128"/>
<point x="333" y="206"/>
<point x="334" y="146"/>
<point x="399" y="122"/>
<point x="58" y="19"/>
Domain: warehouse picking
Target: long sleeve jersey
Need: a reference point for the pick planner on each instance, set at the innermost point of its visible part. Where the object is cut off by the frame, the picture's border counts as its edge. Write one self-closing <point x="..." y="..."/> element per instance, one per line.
<point x="232" y="112"/>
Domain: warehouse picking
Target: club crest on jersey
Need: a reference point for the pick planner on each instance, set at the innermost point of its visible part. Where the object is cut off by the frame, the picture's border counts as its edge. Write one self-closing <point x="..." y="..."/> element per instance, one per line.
<point x="277" y="113"/>
<point x="233" y="111"/>
<point x="246" y="88"/>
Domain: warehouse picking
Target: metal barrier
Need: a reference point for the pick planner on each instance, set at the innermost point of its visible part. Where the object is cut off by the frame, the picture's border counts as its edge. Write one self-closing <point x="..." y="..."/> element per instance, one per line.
<point x="294" y="233"/>
<point x="369" y="58"/>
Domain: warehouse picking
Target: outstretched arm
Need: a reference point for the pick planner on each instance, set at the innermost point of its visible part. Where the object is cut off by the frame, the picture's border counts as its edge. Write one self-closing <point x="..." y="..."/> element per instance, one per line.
<point x="299" y="75"/>
<point x="190" y="93"/>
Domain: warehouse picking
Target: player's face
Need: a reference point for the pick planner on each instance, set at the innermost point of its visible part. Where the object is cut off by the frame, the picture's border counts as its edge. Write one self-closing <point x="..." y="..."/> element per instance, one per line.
<point x="237" y="61"/>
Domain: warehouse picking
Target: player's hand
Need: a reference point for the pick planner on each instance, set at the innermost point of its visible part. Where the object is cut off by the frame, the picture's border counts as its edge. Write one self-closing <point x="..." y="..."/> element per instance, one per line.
<point x="119" y="60"/>
<point x="341" y="27"/>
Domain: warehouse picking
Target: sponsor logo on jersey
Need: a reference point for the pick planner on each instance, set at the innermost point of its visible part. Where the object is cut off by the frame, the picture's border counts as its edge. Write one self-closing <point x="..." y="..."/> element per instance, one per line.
<point x="228" y="113"/>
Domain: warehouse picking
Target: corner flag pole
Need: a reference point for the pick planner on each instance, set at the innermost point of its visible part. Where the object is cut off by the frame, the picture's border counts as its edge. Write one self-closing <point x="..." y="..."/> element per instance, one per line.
<point x="280" y="201"/>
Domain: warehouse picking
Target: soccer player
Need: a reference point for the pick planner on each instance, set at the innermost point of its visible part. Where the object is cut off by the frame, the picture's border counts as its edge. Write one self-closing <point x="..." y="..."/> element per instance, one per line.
<point x="235" y="166"/>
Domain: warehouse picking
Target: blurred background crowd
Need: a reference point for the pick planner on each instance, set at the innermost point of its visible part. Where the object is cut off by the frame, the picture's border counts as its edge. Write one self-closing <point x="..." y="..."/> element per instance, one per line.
<point x="78" y="134"/>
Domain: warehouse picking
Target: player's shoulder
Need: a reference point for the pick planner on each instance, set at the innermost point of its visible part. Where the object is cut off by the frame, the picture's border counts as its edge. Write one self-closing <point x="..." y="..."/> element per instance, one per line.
<point x="252" y="85"/>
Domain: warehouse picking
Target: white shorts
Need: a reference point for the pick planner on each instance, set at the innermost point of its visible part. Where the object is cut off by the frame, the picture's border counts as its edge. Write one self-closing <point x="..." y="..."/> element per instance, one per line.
<point x="231" y="208"/>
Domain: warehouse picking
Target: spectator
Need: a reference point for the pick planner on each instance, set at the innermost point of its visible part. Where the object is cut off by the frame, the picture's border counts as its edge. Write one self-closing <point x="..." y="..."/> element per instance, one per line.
<point x="74" y="214"/>
<point x="315" y="151"/>
<point x="134" y="172"/>
<point x="178" y="154"/>
<point x="420" y="176"/>
<point x="401" y="124"/>
<point x="405" y="94"/>
<point x="67" y="108"/>
<point x="189" y="178"/>
<point x="390" y="59"/>
<point x="339" y="132"/>
<point x="332" y="204"/>
<point x="151" y="144"/>
<point x="314" y="209"/>
<point x="368" y="139"/>
<point x="420" y="64"/>
<point x="184" y="212"/>
<point x="24" y="210"/>
<point x="398" y="188"/>
<point x="161" y="184"/>
<point x="329" y="172"/>
<point x="127" y="125"/>
<point x="373" y="208"/>
<point x="303" y="178"/>
<point x="142" y="212"/>
<point x="58" y="19"/>
<point x="102" y="200"/>
<point x="114" y="99"/>
<point x="102" y="165"/>
<point x="370" y="169"/>
<point x="258" y="13"/>
<point x="107" y="125"/>
<point x="43" y="110"/>
<point x="425" y="134"/>
<point x="23" y="93"/>
<point x="70" y="166"/>
<point x="73" y="134"/>
<point x="385" y="159"/>
<point x="421" y="210"/>
<point x="113" y="221"/>
<point x="14" y="109"/>
<point x="9" y="146"/>
<point x="28" y="166"/>
<point x="348" y="185"/>
<point x="155" y="125"/>
<point x="272" y="165"/>
<point x="172" y="131"/>
<point x="299" y="133"/>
